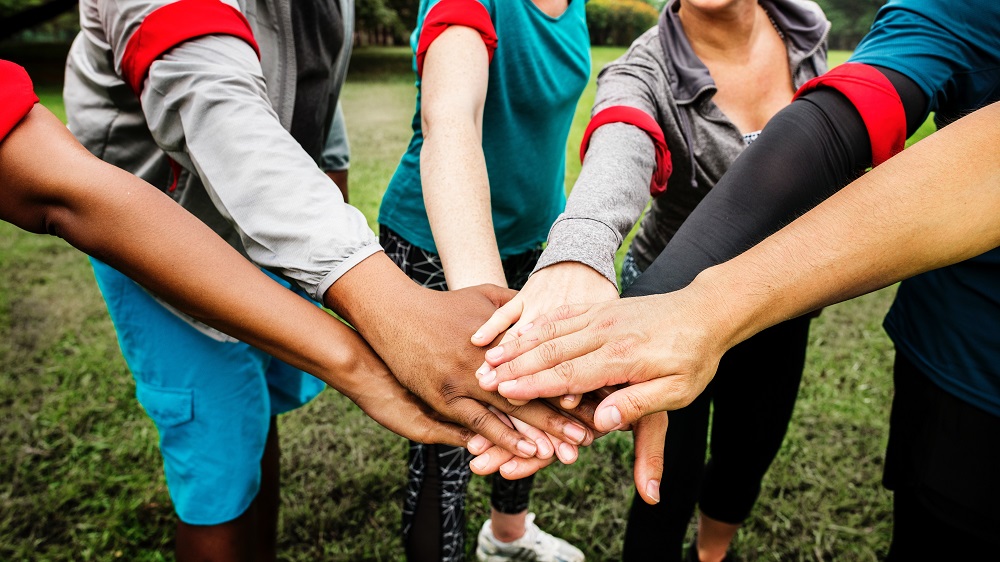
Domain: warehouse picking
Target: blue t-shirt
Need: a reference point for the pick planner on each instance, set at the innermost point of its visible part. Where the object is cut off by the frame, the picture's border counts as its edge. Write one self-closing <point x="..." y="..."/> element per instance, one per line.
<point x="947" y="321"/>
<point x="539" y="69"/>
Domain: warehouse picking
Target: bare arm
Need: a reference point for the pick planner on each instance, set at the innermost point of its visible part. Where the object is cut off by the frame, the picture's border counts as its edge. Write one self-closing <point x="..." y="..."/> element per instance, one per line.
<point x="452" y="165"/>
<point x="51" y="184"/>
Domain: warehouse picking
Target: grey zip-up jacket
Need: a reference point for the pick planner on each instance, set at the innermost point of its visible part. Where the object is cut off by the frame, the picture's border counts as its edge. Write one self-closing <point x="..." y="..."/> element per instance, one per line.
<point x="223" y="115"/>
<point x="661" y="76"/>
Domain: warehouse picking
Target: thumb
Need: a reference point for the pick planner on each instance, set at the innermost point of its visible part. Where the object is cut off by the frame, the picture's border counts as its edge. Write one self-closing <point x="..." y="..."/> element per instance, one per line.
<point x="650" y="434"/>
<point x="499" y="322"/>
<point x="498" y="295"/>
<point x="626" y="406"/>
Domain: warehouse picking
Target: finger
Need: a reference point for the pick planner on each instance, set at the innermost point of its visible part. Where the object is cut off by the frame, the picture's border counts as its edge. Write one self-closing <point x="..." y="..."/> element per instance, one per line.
<point x="479" y="419"/>
<point x="650" y="433"/>
<point x="545" y="418"/>
<point x="583" y="373"/>
<point x="490" y="461"/>
<point x="499" y="296"/>
<point x="566" y="453"/>
<point x="569" y="401"/>
<point x="436" y="432"/>
<point x="478" y="445"/>
<point x="549" y="354"/>
<point x="584" y="414"/>
<point x="561" y="321"/>
<point x="627" y="405"/>
<point x="545" y="446"/>
<point x="516" y="468"/>
<point x="501" y="320"/>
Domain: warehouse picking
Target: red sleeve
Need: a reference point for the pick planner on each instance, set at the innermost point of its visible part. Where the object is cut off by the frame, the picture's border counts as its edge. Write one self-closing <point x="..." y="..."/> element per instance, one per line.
<point x="641" y="119"/>
<point x="17" y="96"/>
<point x="173" y="24"/>
<point x="875" y="98"/>
<point x="446" y="13"/>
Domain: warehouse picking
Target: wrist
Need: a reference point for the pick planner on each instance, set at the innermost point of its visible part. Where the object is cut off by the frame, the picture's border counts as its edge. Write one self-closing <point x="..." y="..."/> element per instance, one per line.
<point x="371" y="291"/>
<point x="727" y="309"/>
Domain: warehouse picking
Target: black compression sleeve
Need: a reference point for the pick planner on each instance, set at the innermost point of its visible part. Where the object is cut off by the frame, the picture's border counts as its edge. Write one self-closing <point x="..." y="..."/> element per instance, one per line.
<point x="807" y="152"/>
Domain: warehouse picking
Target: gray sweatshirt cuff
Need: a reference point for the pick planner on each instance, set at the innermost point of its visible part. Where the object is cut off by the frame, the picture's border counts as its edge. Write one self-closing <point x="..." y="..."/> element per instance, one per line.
<point x="587" y="241"/>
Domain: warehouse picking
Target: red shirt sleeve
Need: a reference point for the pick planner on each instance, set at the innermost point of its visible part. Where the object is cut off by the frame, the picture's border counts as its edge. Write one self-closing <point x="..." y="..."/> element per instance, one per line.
<point x="446" y="13"/>
<point x="173" y="24"/>
<point x="875" y="98"/>
<point x="17" y="96"/>
<point x="641" y="119"/>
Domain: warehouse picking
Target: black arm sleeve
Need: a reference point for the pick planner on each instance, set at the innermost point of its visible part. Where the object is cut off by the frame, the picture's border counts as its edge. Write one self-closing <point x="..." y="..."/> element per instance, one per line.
<point x="807" y="152"/>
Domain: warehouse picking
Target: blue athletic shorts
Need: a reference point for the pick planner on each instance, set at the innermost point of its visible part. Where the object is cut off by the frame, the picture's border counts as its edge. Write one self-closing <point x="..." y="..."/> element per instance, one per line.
<point x="211" y="401"/>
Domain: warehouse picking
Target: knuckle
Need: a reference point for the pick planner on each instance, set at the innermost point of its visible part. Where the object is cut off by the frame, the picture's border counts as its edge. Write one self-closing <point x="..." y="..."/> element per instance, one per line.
<point x="632" y="405"/>
<point x="565" y="372"/>
<point x="549" y="353"/>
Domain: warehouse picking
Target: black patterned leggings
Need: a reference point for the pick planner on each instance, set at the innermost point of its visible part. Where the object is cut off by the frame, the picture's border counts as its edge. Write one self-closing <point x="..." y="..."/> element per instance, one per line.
<point x="434" y="507"/>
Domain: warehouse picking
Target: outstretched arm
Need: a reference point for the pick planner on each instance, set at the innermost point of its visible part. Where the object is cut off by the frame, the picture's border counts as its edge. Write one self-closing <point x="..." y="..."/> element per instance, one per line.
<point x="51" y="184"/>
<point x="935" y="204"/>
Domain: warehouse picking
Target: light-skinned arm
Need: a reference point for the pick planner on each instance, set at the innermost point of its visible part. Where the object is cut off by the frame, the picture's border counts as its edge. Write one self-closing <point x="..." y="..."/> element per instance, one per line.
<point x="453" y="173"/>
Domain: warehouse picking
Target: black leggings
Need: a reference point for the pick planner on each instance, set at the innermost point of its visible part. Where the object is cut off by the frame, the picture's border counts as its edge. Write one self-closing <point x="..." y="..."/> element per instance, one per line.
<point x="434" y="507"/>
<point x="750" y="402"/>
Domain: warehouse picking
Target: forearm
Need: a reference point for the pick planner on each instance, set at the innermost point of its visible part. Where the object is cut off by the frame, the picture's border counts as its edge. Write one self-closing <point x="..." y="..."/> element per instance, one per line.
<point x="52" y="184"/>
<point x="934" y="204"/>
<point x="453" y="171"/>
<point x="214" y="119"/>
<point x="807" y="152"/>
<point x="457" y="196"/>
<point x="606" y="201"/>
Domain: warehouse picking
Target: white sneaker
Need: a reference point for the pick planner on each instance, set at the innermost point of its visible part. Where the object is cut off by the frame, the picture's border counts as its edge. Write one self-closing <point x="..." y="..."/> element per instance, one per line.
<point x="536" y="545"/>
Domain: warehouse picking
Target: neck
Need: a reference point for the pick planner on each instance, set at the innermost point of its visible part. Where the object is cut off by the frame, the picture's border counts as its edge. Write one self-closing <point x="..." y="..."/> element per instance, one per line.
<point x="723" y="33"/>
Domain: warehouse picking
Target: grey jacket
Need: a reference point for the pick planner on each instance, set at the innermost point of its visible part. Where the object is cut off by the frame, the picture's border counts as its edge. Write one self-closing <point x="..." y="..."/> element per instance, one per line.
<point x="661" y="75"/>
<point x="223" y="115"/>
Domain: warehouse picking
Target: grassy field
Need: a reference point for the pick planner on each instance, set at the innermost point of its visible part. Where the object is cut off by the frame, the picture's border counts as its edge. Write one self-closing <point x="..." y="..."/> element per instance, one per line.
<point x="80" y="477"/>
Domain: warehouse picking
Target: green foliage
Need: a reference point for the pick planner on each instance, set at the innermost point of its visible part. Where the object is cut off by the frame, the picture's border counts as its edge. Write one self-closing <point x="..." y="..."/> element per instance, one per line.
<point x="619" y="22"/>
<point x="849" y="20"/>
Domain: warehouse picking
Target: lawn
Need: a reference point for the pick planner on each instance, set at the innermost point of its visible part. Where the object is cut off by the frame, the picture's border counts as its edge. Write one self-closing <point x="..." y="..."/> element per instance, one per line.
<point x="80" y="477"/>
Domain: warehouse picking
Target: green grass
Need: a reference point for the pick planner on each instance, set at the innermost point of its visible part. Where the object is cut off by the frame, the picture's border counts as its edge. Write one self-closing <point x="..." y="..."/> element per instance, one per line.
<point x="80" y="477"/>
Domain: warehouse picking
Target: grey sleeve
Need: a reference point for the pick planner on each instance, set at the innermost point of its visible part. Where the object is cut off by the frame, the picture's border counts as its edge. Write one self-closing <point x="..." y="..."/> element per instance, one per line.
<point x="613" y="188"/>
<point x="206" y="105"/>
<point x="337" y="152"/>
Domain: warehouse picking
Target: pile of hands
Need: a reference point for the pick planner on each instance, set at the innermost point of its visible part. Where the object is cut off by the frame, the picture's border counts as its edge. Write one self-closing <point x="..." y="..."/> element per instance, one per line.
<point x="524" y="379"/>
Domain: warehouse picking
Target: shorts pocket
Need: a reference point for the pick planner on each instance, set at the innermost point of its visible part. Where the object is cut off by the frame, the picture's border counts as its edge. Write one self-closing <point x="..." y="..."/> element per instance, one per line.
<point x="168" y="407"/>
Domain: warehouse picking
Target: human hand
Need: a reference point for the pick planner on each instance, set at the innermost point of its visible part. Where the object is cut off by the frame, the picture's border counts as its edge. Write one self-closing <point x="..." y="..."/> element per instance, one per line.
<point x="665" y="347"/>
<point x="366" y="380"/>
<point x="559" y="284"/>
<point x="423" y="336"/>
<point x="649" y="434"/>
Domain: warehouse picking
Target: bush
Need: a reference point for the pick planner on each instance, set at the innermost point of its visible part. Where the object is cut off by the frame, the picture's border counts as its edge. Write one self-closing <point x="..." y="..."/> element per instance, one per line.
<point x="618" y="22"/>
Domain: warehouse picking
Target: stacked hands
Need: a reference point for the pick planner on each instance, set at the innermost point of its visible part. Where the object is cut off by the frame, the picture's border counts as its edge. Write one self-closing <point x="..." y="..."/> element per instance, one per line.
<point x="562" y="374"/>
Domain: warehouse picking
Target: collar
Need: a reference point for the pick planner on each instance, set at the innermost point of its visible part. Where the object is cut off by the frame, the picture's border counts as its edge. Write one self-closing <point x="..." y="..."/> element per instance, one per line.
<point x="803" y="24"/>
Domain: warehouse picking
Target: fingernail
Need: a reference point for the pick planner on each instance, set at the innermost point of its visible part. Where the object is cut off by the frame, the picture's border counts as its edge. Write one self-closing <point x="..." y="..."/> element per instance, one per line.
<point x="476" y="444"/>
<point x="525" y="328"/>
<point x="653" y="490"/>
<point x="506" y="386"/>
<point x="509" y="466"/>
<point x="570" y="398"/>
<point x="489" y="377"/>
<point x="481" y="462"/>
<point x="527" y="448"/>
<point x="567" y="453"/>
<point x="575" y="433"/>
<point x="495" y="353"/>
<point x="544" y="448"/>
<point x="482" y="370"/>
<point x="609" y="418"/>
<point x="477" y="336"/>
